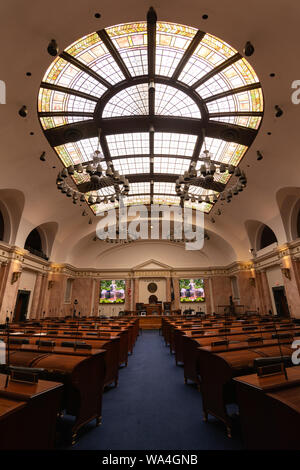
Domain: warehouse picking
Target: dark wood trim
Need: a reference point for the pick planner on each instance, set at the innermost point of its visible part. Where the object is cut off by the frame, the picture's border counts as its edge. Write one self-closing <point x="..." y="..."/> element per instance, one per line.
<point x="159" y="178"/>
<point x="217" y="70"/>
<point x="188" y="54"/>
<point x="151" y="42"/>
<point x="66" y="113"/>
<point x="235" y="91"/>
<point x="69" y="91"/>
<point x="72" y="60"/>
<point x="114" y="52"/>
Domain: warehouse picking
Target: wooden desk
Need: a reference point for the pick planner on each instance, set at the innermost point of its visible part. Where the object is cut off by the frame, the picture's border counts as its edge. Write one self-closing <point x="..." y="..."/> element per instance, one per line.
<point x="217" y="371"/>
<point x="153" y="309"/>
<point x="28" y="414"/>
<point x="150" y="322"/>
<point x="270" y="410"/>
<point x="82" y="376"/>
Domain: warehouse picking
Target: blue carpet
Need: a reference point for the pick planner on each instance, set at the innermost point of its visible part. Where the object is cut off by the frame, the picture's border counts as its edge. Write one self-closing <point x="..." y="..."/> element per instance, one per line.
<point x="153" y="409"/>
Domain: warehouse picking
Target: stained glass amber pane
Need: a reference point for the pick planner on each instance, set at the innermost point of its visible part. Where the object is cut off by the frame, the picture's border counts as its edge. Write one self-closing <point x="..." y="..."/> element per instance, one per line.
<point x="83" y="44"/>
<point x="202" y="206"/>
<point x="245" y="101"/>
<point x="131" y="41"/>
<point x="56" y="121"/>
<point x="210" y="53"/>
<point x="166" y="200"/>
<point x="55" y="101"/>
<point x="172" y="40"/>
<point x="73" y="153"/>
<point x="226" y="152"/>
<point x="252" y="122"/>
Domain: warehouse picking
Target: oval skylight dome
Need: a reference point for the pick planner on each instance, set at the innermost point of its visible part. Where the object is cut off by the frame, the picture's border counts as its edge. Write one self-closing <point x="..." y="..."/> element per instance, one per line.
<point x="158" y="94"/>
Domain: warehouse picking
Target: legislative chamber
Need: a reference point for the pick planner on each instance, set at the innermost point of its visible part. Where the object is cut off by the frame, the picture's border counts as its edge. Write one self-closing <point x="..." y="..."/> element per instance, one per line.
<point x="149" y="228"/>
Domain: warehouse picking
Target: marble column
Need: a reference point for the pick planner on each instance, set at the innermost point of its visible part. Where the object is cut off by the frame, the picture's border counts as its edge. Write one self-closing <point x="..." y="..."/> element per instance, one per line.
<point x="246" y="290"/>
<point x="211" y="296"/>
<point x="168" y="289"/>
<point x="136" y="292"/>
<point x="9" y="290"/>
<point x="128" y="294"/>
<point x="36" y="296"/>
<point x="207" y="293"/>
<point x="176" y="293"/>
<point x="263" y="292"/>
<point x="292" y="286"/>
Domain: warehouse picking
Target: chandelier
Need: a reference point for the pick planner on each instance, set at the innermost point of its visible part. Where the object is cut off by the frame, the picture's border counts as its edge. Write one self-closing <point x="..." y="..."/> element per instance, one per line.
<point x="205" y="174"/>
<point x="95" y="178"/>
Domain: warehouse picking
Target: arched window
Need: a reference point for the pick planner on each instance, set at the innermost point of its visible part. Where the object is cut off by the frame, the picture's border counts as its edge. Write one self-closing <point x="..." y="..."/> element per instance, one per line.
<point x="34" y="244"/>
<point x="267" y="237"/>
<point x="1" y="226"/>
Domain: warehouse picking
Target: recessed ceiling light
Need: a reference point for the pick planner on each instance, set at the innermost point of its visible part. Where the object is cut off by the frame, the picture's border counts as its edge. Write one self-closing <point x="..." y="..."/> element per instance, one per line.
<point x="97" y="15"/>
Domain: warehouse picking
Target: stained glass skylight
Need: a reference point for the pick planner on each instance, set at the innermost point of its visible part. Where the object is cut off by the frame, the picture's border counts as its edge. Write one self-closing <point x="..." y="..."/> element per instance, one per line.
<point x="171" y="165"/>
<point x="174" y="144"/>
<point x="129" y="102"/>
<point x="170" y="101"/>
<point x="172" y="40"/>
<point x="163" y="188"/>
<point x="140" y="188"/>
<point x="222" y="151"/>
<point x="56" y="121"/>
<point x="210" y="53"/>
<point x="132" y="166"/>
<point x="102" y="81"/>
<point x="128" y="144"/>
<point x="246" y="121"/>
<point x="131" y="42"/>
<point x="73" y="153"/>
<point x="55" y="101"/>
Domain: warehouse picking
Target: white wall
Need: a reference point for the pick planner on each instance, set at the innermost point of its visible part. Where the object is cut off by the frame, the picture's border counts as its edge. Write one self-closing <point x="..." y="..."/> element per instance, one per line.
<point x="161" y="293"/>
<point x="110" y="310"/>
<point x="275" y="279"/>
<point x="27" y="282"/>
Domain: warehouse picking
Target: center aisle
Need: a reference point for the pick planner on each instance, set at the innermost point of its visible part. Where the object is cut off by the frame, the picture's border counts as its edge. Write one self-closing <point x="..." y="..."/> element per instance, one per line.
<point x="152" y="408"/>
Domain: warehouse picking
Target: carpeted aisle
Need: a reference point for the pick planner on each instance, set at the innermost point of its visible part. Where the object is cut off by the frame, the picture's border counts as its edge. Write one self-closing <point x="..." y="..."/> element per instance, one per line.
<point x="152" y="408"/>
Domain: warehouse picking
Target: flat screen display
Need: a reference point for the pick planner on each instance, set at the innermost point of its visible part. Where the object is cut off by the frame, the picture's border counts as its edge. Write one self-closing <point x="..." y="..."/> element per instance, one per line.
<point x="191" y="290"/>
<point x="112" y="292"/>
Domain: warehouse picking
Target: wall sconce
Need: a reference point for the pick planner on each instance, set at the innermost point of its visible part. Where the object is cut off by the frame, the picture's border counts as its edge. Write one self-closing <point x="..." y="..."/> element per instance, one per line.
<point x="15" y="276"/>
<point x="286" y="272"/>
<point x="50" y="284"/>
<point x="252" y="281"/>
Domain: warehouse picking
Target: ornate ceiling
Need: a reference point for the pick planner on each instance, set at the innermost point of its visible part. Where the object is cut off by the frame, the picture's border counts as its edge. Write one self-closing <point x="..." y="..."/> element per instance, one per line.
<point x="155" y="95"/>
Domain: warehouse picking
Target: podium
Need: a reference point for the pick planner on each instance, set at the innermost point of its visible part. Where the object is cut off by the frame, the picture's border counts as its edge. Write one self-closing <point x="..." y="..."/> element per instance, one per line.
<point x="153" y="309"/>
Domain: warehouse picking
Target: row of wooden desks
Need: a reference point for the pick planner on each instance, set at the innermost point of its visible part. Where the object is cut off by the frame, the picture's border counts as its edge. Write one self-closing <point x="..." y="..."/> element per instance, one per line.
<point x="83" y="365"/>
<point x="270" y="410"/>
<point x="218" y="359"/>
<point x="28" y="414"/>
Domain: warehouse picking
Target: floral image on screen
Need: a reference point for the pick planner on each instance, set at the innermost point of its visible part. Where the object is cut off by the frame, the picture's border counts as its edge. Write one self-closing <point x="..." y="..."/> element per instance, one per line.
<point x="112" y="292"/>
<point x="191" y="290"/>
